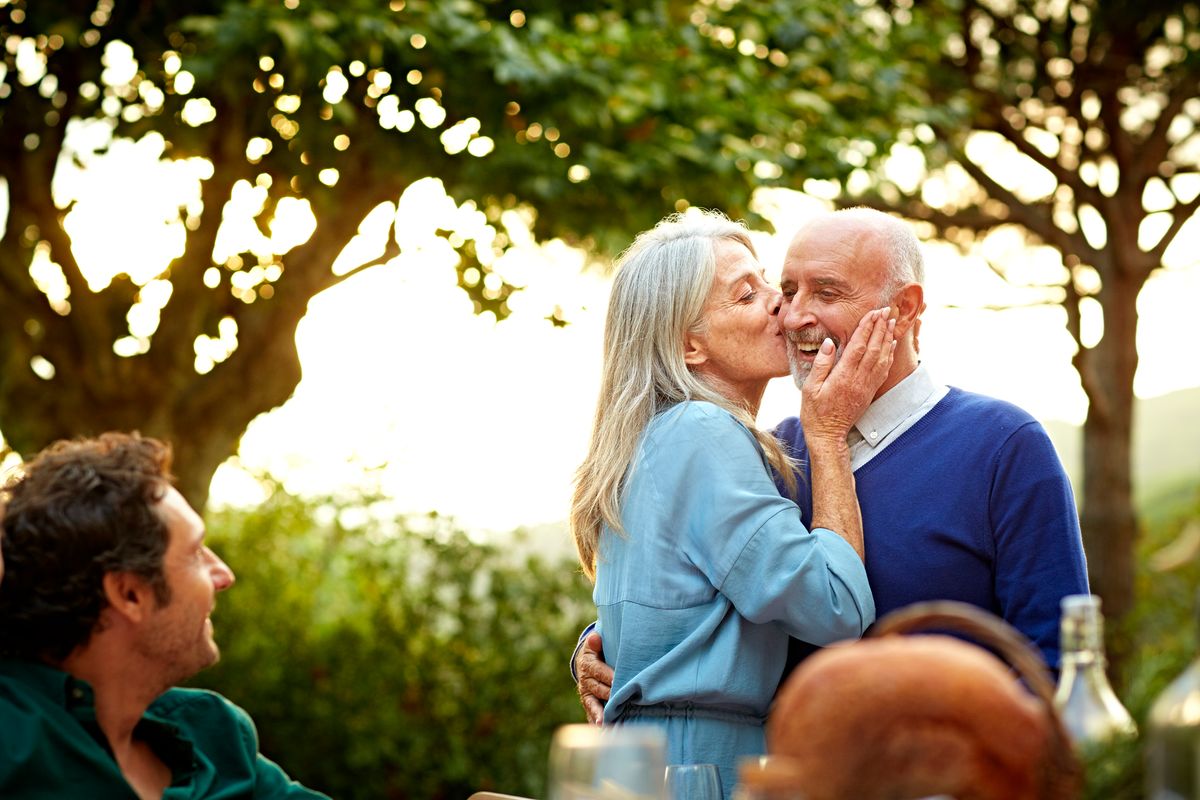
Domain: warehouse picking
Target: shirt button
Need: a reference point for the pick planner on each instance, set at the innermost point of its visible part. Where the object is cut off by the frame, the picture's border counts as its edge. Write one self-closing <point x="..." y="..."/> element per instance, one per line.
<point x="874" y="434"/>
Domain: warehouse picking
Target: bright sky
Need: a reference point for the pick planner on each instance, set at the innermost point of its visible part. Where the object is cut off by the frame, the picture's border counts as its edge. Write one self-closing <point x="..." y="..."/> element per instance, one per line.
<point x="405" y="389"/>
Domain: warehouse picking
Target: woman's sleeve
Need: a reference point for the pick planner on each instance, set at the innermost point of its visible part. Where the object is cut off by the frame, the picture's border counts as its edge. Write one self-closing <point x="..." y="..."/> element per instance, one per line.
<point x="748" y="540"/>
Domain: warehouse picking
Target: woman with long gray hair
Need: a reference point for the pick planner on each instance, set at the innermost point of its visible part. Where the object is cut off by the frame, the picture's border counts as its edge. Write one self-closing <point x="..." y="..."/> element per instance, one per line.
<point x="702" y="570"/>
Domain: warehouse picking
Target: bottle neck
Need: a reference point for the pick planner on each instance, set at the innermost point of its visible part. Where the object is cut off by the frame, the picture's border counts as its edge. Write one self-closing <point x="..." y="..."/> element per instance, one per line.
<point x="1083" y="661"/>
<point x="1090" y="710"/>
<point x="1081" y="635"/>
<point x="1082" y="642"/>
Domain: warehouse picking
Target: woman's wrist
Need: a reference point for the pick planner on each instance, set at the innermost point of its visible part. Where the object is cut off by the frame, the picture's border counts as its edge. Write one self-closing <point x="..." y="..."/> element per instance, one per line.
<point x="827" y="445"/>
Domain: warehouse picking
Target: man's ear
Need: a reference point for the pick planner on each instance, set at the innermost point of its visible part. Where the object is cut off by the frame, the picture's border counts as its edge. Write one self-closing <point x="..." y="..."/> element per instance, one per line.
<point x="129" y="595"/>
<point x="907" y="306"/>
<point x="695" y="353"/>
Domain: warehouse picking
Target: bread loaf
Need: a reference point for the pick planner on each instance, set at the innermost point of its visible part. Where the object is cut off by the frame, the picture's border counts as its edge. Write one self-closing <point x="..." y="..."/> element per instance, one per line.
<point x="911" y="716"/>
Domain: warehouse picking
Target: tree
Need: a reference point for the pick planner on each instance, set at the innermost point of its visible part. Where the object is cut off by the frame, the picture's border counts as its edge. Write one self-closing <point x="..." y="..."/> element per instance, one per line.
<point x="593" y="118"/>
<point x="1097" y="102"/>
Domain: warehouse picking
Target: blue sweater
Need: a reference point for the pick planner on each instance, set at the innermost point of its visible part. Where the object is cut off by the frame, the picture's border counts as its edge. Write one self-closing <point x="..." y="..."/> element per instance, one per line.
<point x="970" y="504"/>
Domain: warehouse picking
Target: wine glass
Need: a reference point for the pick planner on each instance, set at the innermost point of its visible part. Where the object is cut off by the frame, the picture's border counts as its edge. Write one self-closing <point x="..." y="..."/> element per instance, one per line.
<point x="621" y="762"/>
<point x="693" y="782"/>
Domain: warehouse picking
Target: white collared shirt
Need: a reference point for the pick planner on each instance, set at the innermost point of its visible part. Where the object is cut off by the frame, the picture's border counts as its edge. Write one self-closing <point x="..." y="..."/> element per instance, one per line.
<point x="892" y="414"/>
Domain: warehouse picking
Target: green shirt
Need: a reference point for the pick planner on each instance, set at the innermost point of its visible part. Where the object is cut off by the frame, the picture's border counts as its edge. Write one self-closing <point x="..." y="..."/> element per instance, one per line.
<point x="51" y="746"/>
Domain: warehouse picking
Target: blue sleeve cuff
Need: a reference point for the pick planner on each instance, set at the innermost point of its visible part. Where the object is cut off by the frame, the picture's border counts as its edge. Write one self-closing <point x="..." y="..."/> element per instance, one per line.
<point x="575" y="652"/>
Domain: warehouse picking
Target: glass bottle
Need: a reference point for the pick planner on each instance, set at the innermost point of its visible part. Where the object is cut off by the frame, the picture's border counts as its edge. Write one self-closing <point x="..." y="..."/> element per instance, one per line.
<point x="1173" y="737"/>
<point x="1090" y="710"/>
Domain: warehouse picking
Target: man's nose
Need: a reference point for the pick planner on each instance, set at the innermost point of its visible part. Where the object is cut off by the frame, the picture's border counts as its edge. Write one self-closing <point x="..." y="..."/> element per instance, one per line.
<point x="793" y="316"/>
<point x="222" y="575"/>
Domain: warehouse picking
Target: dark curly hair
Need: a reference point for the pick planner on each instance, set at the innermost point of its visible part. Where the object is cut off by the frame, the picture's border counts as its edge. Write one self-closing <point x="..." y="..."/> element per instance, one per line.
<point x="78" y="510"/>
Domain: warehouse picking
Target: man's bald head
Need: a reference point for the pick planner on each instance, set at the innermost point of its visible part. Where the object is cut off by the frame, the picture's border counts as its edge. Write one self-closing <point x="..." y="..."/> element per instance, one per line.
<point x="878" y="238"/>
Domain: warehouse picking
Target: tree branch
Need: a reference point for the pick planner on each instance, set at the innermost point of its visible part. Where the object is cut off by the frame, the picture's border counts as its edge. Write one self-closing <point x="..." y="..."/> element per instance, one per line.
<point x="1061" y="174"/>
<point x="15" y="281"/>
<point x="391" y="250"/>
<point x="1004" y="306"/>
<point x="191" y="301"/>
<point x="1110" y="116"/>
<point x="1156" y="146"/>
<point x="1179" y="218"/>
<point x="1038" y="222"/>
<point x="972" y="219"/>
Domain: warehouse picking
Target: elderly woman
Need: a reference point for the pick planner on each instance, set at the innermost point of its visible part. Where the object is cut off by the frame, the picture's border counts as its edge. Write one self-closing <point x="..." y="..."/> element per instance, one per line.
<point x="702" y="570"/>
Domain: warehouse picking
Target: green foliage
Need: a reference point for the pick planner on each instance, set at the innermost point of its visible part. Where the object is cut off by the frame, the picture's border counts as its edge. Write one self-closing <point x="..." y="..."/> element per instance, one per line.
<point x="386" y="657"/>
<point x="1114" y="770"/>
<point x="590" y="120"/>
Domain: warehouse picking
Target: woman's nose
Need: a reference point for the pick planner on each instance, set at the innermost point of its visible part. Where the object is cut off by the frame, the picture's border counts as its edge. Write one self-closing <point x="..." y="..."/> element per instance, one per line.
<point x="775" y="303"/>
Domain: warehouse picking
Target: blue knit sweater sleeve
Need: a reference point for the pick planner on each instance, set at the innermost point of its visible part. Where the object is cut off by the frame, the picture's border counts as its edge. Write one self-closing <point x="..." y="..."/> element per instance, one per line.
<point x="1035" y="528"/>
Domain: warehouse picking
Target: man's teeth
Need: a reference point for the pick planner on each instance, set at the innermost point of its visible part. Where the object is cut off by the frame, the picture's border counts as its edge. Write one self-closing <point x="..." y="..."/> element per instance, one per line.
<point x="807" y="347"/>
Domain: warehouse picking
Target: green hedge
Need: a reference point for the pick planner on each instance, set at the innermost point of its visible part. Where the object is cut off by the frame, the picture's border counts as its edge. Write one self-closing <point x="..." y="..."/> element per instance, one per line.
<point x="393" y="657"/>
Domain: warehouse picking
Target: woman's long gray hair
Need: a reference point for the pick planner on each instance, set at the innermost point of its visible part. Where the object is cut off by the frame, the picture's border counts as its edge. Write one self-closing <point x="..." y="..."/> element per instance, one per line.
<point x="658" y="297"/>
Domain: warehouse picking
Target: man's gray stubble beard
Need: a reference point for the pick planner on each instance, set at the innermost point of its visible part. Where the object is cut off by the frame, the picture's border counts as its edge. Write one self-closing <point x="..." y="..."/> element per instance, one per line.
<point x="801" y="369"/>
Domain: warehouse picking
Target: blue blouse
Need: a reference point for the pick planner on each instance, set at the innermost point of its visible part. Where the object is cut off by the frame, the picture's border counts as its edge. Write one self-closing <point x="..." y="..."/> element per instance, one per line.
<point x="713" y="572"/>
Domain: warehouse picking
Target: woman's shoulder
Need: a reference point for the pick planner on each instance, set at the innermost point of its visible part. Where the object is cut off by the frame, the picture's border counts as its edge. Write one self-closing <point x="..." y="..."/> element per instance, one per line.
<point x="687" y="419"/>
<point x="700" y="411"/>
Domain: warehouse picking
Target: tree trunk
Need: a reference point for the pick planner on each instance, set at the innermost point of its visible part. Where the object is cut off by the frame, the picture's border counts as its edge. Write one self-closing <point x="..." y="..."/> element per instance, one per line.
<point x="1108" y="519"/>
<point x="201" y="416"/>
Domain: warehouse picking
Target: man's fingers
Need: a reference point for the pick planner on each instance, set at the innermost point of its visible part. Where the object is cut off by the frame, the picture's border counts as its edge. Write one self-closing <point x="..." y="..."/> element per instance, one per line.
<point x="593" y="687"/>
<point x="594" y="710"/>
<point x="592" y="670"/>
<point x="595" y="678"/>
<point x="593" y="706"/>
<point x="593" y="643"/>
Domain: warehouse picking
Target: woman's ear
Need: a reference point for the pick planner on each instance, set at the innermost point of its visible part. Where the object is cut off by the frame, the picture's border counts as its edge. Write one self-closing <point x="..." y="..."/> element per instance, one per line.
<point x="695" y="353"/>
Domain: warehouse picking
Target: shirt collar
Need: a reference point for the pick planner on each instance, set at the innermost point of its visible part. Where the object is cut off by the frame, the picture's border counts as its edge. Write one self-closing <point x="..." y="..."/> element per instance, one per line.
<point x="77" y="698"/>
<point x="55" y="684"/>
<point x="896" y="405"/>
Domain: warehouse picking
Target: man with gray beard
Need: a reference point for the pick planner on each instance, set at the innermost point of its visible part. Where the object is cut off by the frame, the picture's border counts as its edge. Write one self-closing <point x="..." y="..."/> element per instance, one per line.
<point x="969" y="489"/>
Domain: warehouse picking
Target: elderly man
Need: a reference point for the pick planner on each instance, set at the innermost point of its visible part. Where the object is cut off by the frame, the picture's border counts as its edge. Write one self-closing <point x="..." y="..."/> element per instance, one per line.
<point x="973" y="497"/>
<point x="104" y="608"/>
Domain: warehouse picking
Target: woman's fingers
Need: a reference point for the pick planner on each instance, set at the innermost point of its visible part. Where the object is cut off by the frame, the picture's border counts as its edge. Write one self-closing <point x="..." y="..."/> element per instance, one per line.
<point x="836" y="394"/>
<point x="868" y="332"/>
<point x="888" y="351"/>
<point x="881" y="349"/>
<point x="822" y="365"/>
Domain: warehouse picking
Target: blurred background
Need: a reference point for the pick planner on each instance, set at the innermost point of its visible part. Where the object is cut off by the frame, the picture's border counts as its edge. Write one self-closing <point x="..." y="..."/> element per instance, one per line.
<point x="352" y="259"/>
